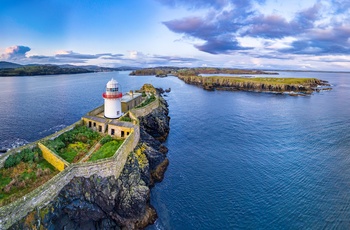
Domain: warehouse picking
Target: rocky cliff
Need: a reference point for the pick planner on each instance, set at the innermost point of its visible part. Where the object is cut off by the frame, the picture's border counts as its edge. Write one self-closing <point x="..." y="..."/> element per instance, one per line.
<point x="261" y="84"/>
<point x="109" y="202"/>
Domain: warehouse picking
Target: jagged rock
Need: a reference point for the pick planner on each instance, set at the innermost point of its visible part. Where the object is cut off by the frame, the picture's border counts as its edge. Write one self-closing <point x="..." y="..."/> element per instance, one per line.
<point x="156" y="124"/>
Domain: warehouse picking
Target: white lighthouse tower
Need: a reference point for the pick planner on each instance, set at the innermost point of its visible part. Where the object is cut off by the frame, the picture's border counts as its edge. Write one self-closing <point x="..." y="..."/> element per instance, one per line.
<point x="113" y="107"/>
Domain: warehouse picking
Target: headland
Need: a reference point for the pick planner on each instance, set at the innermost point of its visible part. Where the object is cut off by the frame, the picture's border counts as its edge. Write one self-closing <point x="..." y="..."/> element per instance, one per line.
<point x="83" y="192"/>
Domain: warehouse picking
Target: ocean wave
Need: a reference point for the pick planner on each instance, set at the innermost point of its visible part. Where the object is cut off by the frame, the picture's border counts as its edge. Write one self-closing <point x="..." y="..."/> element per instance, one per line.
<point x="52" y="129"/>
<point x="12" y="143"/>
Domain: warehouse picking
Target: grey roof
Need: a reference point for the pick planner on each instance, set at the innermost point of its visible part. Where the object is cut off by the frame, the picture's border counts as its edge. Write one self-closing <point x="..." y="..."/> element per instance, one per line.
<point x="94" y="118"/>
<point x="127" y="97"/>
<point x="122" y="123"/>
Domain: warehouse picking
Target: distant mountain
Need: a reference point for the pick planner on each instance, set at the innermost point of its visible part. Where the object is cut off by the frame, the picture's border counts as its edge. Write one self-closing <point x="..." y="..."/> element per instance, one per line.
<point x="5" y="64"/>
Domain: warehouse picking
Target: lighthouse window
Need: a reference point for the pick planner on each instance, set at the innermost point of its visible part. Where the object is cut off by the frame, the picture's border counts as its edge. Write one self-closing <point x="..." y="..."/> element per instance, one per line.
<point x="117" y="112"/>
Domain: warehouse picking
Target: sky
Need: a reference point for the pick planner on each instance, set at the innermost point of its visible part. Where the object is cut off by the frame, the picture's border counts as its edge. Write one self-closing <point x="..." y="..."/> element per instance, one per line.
<point x="250" y="34"/>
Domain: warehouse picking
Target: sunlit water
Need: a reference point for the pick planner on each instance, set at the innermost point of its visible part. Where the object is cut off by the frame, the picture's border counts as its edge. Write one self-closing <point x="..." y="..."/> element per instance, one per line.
<point x="237" y="159"/>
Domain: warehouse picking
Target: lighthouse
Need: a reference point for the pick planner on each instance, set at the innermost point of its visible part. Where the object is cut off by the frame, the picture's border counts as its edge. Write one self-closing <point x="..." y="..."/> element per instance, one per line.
<point x="112" y="96"/>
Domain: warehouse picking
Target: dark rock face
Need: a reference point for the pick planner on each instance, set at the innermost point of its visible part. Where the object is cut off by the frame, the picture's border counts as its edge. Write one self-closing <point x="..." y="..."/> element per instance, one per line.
<point x="111" y="203"/>
<point x="98" y="203"/>
<point x="156" y="124"/>
<point x="154" y="130"/>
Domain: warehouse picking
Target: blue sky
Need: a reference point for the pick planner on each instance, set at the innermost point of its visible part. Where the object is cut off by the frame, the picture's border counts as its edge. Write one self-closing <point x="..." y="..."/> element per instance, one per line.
<point x="265" y="34"/>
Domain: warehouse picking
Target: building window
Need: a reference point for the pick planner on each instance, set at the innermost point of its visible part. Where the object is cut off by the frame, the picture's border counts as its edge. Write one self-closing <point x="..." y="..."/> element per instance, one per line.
<point x="94" y="124"/>
<point x="89" y="124"/>
<point x="112" y="131"/>
<point x="122" y="134"/>
<point x="127" y="133"/>
<point x="100" y="128"/>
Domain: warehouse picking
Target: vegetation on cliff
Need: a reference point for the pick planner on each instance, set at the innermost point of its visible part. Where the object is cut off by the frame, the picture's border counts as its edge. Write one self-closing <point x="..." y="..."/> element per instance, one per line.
<point x="260" y="84"/>
<point x="22" y="173"/>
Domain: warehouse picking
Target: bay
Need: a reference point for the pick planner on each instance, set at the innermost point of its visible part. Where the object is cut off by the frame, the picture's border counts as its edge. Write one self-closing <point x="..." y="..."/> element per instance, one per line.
<point x="238" y="160"/>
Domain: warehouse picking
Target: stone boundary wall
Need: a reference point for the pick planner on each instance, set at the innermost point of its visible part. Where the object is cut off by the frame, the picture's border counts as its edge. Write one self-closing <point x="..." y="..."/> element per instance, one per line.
<point x="143" y="111"/>
<point x="31" y="145"/>
<point x="51" y="157"/>
<point x="113" y="166"/>
<point x="96" y="111"/>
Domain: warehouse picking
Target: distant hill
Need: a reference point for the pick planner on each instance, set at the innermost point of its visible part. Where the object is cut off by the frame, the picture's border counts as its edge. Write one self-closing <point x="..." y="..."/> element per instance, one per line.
<point x="13" y="69"/>
<point x="40" y="70"/>
<point x="5" y="64"/>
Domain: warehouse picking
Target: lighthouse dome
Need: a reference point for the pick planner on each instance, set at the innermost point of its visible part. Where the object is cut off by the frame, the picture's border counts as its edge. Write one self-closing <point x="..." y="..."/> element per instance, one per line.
<point x="112" y="84"/>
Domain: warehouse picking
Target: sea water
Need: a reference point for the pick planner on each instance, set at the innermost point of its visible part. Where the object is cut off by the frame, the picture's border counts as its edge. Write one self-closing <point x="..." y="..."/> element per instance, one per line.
<point x="238" y="160"/>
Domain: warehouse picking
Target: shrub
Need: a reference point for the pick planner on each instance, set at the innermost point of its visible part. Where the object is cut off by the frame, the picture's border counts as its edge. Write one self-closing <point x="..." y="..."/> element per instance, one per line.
<point x="106" y="139"/>
<point x="128" y="119"/>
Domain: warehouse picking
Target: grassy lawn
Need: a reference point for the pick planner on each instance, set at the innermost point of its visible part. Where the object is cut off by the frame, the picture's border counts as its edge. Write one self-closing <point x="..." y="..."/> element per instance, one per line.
<point x="106" y="150"/>
<point x="74" y="144"/>
<point x="24" y="176"/>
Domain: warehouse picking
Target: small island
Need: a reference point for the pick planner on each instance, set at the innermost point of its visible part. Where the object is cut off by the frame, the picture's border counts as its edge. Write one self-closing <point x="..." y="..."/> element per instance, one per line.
<point x="193" y="76"/>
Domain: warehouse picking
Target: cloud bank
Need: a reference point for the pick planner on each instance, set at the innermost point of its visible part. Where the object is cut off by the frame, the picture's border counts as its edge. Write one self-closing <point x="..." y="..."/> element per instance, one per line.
<point x="19" y="54"/>
<point x="319" y="29"/>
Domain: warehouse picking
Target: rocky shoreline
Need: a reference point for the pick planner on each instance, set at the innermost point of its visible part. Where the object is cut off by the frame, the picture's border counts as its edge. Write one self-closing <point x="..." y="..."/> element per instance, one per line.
<point x="112" y="203"/>
<point x="267" y="85"/>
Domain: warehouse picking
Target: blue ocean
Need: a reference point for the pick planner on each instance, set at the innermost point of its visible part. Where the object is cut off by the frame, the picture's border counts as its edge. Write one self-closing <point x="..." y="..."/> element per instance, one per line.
<point x="238" y="160"/>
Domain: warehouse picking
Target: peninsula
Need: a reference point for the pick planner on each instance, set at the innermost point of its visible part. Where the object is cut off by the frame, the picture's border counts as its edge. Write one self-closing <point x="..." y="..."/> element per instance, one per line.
<point x="193" y="76"/>
<point x="94" y="174"/>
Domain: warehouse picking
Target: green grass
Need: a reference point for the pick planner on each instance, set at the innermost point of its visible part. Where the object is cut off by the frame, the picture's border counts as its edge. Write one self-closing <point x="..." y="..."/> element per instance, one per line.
<point x="74" y="144"/>
<point x="107" y="150"/>
<point x="43" y="164"/>
<point x="147" y="101"/>
<point x="27" y="176"/>
<point x="128" y="119"/>
<point x="261" y="80"/>
<point x="4" y="180"/>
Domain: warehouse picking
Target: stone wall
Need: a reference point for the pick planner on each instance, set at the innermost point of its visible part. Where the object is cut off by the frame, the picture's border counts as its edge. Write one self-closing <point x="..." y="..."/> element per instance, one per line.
<point x="31" y="145"/>
<point x="96" y="111"/>
<point x="143" y="111"/>
<point x="53" y="158"/>
<point x="112" y="166"/>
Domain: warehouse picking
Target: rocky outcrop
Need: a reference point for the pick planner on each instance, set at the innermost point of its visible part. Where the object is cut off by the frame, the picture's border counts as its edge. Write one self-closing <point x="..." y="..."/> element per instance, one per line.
<point x="154" y="129"/>
<point x="273" y="85"/>
<point x="108" y="202"/>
